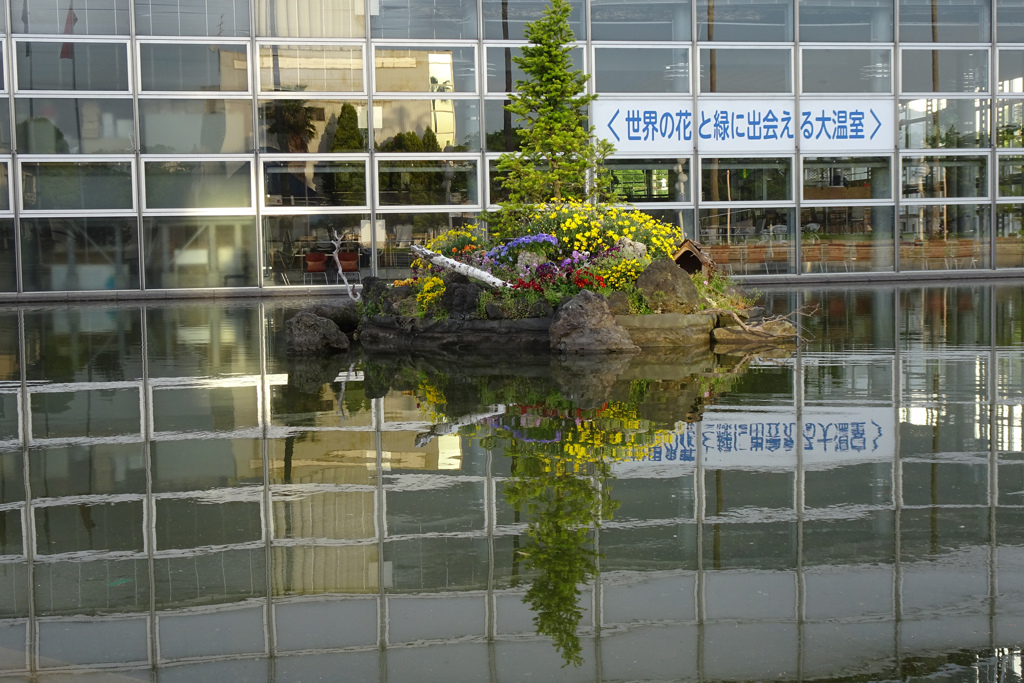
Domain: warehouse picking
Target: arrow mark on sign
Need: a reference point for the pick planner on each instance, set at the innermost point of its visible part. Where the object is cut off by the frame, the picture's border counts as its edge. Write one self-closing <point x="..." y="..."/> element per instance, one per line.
<point x="610" y="121"/>
<point x="878" y="121"/>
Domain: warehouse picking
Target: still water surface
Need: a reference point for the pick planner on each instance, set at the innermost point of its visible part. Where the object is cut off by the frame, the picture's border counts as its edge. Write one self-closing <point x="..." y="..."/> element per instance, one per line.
<point x="179" y="501"/>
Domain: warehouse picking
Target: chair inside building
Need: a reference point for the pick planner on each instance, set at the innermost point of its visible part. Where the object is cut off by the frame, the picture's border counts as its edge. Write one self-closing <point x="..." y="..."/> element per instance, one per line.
<point x="315" y="264"/>
<point x="349" y="261"/>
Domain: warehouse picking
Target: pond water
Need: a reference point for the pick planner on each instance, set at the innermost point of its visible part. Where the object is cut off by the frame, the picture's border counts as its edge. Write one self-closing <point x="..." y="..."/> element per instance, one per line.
<point x="179" y="501"/>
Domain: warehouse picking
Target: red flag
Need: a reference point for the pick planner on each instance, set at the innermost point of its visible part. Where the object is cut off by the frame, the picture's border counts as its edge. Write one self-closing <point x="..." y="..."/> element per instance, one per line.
<point x="67" y="50"/>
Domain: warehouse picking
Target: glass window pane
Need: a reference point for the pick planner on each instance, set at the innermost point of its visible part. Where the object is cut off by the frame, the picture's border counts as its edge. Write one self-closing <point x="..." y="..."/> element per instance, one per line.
<point x="311" y="68"/>
<point x="1009" y="21"/>
<point x="288" y="238"/>
<point x="846" y="178"/>
<point x="314" y="183"/>
<point x="8" y="275"/>
<point x="422" y="183"/>
<point x="642" y="70"/>
<point x="506" y="19"/>
<point x="755" y="241"/>
<point x="769" y="21"/>
<point x="944" y="236"/>
<point x="396" y="232"/>
<point x="934" y="124"/>
<point x="495" y="178"/>
<point x="74" y="126"/>
<point x="745" y="71"/>
<point x="1009" y="236"/>
<point x="846" y="71"/>
<point x="945" y="71"/>
<point x="222" y="18"/>
<point x="957" y="21"/>
<point x="311" y="18"/>
<point x="454" y="125"/>
<point x="425" y="70"/>
<point x="441" y="19"/>
<point x="198" y="184"/>
<point x="937" y="177"/>
<point x="194" y="67"/>
<point x="746" y="180"/>
<point x="1011" y="71"/>
<point x="69" y="186"/>
<point x="1009" y="123"/>
<point x="503" y="72"/>
<point x="682" y="218"/>
<point x="5" y="125"/>
<point x="846" y="21"/>
<point x="638" y="22"/>
<point x="301" y="126"/>
<point x="72" y="66"/>
<point x="1011" y="176"/>
<point x="78" y="254"/>
<point x="81" y="17"/>
<point x="501" y="127"/>
<point x="651" y="180"/>
<point x="196" y="126"/>
<point x="5" y="188"/>
<point x="200" y="251"/>
<point x="847" y="239"/>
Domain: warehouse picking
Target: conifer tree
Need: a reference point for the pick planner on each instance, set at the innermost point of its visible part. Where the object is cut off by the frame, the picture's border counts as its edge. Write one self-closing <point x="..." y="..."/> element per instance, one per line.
<point x="556" y="153"/>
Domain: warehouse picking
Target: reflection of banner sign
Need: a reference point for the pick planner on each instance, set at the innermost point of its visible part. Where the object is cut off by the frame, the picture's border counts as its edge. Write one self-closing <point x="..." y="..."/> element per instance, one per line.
<point x="734" y="126"/>
<point x="827" y="437"/>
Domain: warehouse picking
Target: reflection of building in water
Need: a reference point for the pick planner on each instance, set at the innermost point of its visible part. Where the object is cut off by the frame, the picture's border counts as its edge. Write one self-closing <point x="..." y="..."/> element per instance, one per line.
<point x="194" y="507"/>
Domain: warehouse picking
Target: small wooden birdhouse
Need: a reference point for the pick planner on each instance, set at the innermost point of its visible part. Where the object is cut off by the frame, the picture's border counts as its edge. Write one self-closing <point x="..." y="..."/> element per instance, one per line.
<point x="690" y="258"/>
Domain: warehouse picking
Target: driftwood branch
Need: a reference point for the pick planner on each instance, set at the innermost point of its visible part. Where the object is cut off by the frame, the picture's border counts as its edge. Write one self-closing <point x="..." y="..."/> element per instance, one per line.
<point x="758" y="330"/>
<point x="452" y="264"/>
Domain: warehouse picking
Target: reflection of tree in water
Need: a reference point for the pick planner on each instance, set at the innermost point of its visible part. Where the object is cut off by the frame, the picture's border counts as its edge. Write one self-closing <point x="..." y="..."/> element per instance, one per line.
<point x="561" y="472"/>
<point x="563" y="506"/>
<point x="563" y="424"/>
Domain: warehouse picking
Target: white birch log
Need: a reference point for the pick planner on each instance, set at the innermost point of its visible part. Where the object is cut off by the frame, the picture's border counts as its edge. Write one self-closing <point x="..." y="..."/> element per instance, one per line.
<point x="452" y="264"/>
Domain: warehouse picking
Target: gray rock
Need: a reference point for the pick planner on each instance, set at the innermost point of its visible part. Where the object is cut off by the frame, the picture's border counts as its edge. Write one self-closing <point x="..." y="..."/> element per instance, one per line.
<point x="669" y="330"/>
<point x="667" y="288"/>
<point x="452" y="277"/>
<point x="541" y="309"/>
<point x="629" y="249"/>
<point x="375" y="295"/>
<point x="460" y="300"/>
<point x="453" y="338"/>
<point x="771" y="333"/>
<point x="585" y="325"/>
<point x="343" y="313"/>
<point x="749" y="316"/>
<point x="309" y="334"/>
<point x="495" y="311"/>
<point x="618" y="302"/>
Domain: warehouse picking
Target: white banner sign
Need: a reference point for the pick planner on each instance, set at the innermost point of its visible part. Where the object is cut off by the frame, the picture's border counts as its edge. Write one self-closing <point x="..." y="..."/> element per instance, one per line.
<point x="847" y="126"/>
<point x="654" y="126"/>
<point x="744" y="126"/>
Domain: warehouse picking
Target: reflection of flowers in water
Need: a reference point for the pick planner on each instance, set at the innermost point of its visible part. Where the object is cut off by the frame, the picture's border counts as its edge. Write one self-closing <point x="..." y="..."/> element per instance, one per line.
<point x="561" y="469"/>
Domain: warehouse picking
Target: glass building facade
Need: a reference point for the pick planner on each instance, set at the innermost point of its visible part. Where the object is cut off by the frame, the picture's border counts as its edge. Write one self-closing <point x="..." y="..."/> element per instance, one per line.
<point x="157" y="146"/>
